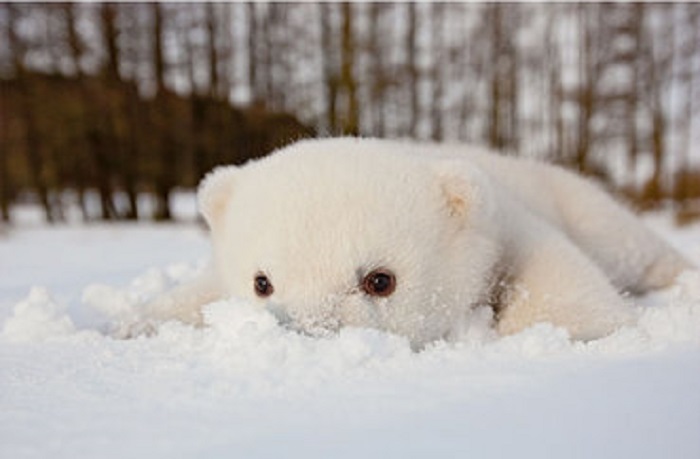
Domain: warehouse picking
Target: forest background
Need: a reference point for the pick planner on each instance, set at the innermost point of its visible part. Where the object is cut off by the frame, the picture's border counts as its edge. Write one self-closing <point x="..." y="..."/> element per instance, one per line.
<point x="114" y="106"/>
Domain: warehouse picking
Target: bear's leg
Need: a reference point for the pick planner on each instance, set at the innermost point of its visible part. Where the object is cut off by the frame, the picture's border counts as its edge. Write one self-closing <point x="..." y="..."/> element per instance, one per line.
<point x="553" y="281"/>
<point x="633" y="256"/>
<point x="185" y="302"/>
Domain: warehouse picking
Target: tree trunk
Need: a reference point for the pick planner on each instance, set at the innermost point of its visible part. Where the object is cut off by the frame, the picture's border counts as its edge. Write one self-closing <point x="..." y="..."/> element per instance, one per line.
<point x="76" y="49"/>
<point x="35" y="158"/>
<point x="158" y="53"/>
<point x="214" y="90"/>
<point x="109" y="32"/>
<point x="495" y="135"/>
<point x="267" y="59"/>
<point x="330" y="77"/>
<point x="691" y="49"/>
<point x="637" y="23"/>
<point x="512" y="140"/>
<point x="116" y="158"/>
<point x="438" y="20"/>
<point x="255" y="97"/>
<point x="4" y="175"/>
<point x="164" y="175"/>
<point x="133" y="150"/>
<point x="379" y="77"/>
<point x="351" y="121"/>
<point x="586" y="92"/>
<point x="556" y="91"/>
<point x="412" y="70"/>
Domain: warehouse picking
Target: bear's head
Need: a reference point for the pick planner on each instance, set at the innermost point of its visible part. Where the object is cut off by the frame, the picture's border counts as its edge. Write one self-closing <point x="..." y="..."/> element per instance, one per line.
<point x="352" y="232"/>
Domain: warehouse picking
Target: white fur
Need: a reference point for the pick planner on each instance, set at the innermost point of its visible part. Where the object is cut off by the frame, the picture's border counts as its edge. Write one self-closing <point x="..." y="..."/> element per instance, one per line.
<point x="458" y="226"/>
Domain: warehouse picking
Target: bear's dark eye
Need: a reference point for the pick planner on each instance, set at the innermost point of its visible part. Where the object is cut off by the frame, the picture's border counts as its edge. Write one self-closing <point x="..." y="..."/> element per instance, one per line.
<point x="263" y="286"/>
<point x="380" y="282"/>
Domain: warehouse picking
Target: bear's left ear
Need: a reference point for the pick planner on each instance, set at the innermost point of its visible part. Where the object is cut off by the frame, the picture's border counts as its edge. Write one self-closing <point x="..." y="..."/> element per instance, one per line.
<point x="214" y="192"/>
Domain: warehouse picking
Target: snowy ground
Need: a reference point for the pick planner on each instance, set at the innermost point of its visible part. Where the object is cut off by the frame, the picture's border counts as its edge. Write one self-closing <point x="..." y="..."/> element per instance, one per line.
<point x="245" y="387"/>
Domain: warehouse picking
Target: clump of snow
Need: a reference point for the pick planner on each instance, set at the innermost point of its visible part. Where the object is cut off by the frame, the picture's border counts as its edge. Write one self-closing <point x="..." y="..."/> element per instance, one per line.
<point x="37" y="318"/>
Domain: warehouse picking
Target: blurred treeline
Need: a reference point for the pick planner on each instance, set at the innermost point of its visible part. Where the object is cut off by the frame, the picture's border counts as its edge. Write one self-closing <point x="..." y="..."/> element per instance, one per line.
<point x="124" y="99"/>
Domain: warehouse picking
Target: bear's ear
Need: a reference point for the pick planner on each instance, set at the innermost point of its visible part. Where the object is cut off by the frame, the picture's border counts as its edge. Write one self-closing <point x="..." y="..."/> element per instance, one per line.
<point x="214" y="192"/>
<point x="463" y="189"/>
<point x="457" y="194"/>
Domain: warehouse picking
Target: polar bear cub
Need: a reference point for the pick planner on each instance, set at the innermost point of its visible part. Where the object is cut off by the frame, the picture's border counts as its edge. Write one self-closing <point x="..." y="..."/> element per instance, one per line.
<point x="410" y="238"/>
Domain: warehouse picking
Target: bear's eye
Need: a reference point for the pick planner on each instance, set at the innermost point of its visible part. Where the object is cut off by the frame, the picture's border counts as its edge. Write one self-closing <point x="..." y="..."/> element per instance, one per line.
<point x="380" y="282"/>
<point x="263" y="286"/>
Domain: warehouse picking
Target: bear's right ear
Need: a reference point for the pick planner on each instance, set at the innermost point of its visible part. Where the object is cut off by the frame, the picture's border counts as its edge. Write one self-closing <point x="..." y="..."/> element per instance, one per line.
<point x="214" y="191"/>
<point x="465" y="190"/>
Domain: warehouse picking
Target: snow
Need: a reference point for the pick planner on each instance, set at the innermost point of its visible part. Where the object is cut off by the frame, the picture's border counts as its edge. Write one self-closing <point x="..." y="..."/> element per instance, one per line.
<point x="243" y="386"/>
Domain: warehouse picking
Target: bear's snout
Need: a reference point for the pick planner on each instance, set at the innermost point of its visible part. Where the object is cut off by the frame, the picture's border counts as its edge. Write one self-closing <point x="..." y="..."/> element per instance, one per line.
<point x="317" y="320"/>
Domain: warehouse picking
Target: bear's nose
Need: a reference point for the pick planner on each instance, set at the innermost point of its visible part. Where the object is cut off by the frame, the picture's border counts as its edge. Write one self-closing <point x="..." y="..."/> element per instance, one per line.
<point x="317" y="327"/>
<point x="316" y="319"/>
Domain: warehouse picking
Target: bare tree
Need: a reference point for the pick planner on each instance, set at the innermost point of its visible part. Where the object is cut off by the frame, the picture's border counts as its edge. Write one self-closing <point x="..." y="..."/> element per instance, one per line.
<point x="689" y="72"/>
<point x="252" y="23"/>
<point x="348" y="83"/>
<point x="330" y="74"/>
<point x="212" y="54"/>
<point x="660" y="53"/>
<point x="377" y="69"/>
<point x="586" y="92"/>
<point x="412" y="69"/>
<point x="164" y="175"/>
<point x="555" y="87"/>
<point x="436" y="75"/>
<point x="37" y="164"/>
<point x="635" y="27"/>
<point x="76" y="50"/>
<point x="267" y="57"/>
<point x="500" y="26"/>
<point x="5" y="186"/>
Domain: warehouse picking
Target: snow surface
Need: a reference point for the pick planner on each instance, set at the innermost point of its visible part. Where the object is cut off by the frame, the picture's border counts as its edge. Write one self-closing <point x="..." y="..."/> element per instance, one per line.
<point x="245" y="387"/>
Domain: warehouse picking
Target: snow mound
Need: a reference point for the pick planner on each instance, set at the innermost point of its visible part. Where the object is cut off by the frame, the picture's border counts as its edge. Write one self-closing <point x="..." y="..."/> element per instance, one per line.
<point x="37" y="318"/>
